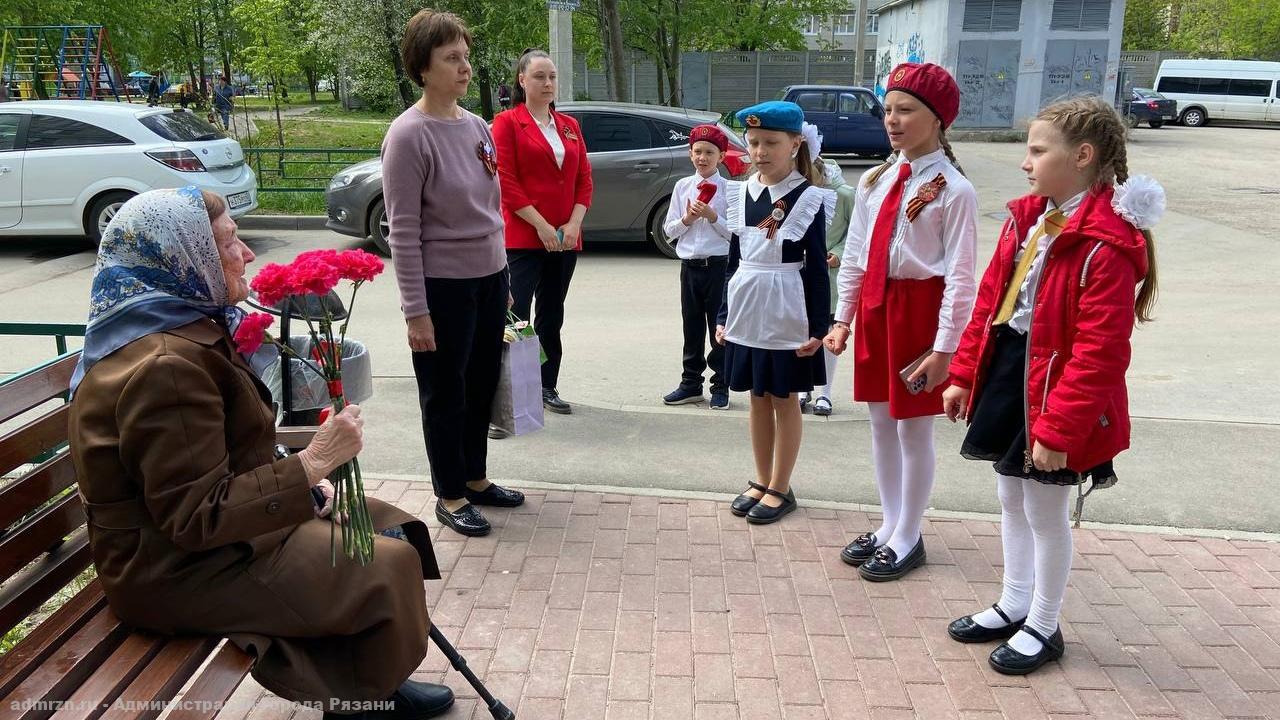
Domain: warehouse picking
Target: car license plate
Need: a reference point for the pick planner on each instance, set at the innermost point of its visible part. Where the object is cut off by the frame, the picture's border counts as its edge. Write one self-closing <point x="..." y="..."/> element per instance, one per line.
<point x="239" y="199"/>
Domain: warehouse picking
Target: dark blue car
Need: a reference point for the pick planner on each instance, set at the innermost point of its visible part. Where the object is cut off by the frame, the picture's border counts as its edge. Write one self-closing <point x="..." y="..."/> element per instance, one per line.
<point x="850" y="118"/>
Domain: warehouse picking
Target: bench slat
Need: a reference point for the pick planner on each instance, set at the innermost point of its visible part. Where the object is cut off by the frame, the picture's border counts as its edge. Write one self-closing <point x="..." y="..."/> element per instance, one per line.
<point x="36" y="386"/>
<point x="214" y="684"/>
<point x="40" y="534"/>
<point x="47" y="432"/>
<point x="69" y="665"/>
<point x="167" y="672"/>
<point x="296" y="437"/>
<point x="35" y="488"/>
<point x="48" y="636"/>
<point x="29" y="589"/>
<point x="96" y="694"/>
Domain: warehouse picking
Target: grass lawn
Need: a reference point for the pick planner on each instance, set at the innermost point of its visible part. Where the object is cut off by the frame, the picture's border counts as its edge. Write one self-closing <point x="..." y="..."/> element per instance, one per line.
<point x="310" y="169"/>
<point x="256" y="102"/>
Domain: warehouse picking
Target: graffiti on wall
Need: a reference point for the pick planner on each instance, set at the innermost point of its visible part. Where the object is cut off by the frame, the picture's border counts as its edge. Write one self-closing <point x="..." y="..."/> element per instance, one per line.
<point x="909" y="50"/>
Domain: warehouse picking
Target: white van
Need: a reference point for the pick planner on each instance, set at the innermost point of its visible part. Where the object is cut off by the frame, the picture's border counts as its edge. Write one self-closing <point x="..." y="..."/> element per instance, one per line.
<point x="1221" y="90"/>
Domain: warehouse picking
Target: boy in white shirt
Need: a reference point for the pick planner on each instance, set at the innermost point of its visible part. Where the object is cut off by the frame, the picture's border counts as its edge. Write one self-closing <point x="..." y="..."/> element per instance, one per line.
<point x="695" y="221"/>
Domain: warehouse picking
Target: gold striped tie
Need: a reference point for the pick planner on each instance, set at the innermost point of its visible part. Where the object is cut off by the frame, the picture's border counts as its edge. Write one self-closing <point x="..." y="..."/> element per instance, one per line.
<point x="1052" y="225"/>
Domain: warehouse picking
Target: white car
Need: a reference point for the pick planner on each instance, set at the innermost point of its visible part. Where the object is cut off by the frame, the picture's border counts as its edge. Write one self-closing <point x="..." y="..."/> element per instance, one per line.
<point x="66" y="166"/>
<point x="1247" y="90"/>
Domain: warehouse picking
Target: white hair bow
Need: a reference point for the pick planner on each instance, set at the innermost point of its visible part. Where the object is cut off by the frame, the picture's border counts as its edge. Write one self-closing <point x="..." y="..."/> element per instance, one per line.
<point x="813" y="139"/>
<point x="1140" y="200"/>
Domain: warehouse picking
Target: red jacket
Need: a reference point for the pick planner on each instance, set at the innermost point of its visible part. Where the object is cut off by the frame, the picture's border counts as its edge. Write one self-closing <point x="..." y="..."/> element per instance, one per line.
<point x="529" y="174"/>
<point x="1080" y="326"/>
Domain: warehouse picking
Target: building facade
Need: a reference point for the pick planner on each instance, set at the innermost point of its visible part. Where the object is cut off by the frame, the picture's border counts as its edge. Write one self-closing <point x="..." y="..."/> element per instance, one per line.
<point x="1010" y="57"/>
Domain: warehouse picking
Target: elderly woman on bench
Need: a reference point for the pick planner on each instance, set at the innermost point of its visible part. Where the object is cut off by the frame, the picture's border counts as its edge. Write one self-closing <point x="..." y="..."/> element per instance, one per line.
<point x="197" y="523"/>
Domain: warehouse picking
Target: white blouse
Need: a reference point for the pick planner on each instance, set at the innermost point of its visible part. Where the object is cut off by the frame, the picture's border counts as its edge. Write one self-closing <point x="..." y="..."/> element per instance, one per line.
<point x="703" y="238"/>
<point x="940" y="242"/>
<point x="552" y="134"/>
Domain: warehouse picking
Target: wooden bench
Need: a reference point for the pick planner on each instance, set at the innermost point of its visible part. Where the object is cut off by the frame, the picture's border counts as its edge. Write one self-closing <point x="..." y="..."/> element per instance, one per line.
<point x="81" y="662"/>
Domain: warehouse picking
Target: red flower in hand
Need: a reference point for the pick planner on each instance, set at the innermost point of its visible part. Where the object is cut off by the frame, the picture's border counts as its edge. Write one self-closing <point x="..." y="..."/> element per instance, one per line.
<point x="358" y="265"/>
<point x="252" y="331"/>
<point x="314" y="275"/>
<point x="273" y="283"/>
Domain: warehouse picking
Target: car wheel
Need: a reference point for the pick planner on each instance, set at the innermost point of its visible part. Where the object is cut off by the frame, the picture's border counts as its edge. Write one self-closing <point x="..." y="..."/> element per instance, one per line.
<point x="665" y="245"/>
<point x="1194" y="117"/>
<point x="1156" y="124"/>
<point x="379" y="228"/>
<point x="101" y="212"/>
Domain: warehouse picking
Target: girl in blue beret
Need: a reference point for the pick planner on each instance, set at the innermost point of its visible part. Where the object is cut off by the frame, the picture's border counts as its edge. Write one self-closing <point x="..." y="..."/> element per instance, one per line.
<point x="777" y="303"/>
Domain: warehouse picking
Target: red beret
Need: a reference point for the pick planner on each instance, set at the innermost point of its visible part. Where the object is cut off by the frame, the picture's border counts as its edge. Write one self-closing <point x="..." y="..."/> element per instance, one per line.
<point x="711" y="134"/>
<point x="931" y="85"/>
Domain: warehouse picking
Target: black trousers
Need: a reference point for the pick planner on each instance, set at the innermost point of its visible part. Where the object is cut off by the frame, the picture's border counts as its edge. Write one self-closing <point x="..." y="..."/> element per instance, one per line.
<point x="541" y="279"/>
<point x="702" y="284"/>
<point x="457" y="382"/>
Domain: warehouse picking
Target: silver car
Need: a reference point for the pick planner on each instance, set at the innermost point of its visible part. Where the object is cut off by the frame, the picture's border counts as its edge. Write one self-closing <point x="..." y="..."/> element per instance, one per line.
<point x="637" y="154"/>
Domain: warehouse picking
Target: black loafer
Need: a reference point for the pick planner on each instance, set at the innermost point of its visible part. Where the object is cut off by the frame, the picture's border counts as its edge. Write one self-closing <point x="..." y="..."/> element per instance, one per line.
<point x="860" y="550"/>
<point x="742" y="504"/>
<point x="416" y="701"/>
<point x="761" y="514"/>
<point x="496" y="496"/>
<point x="1007" y="661"/>
<point x="466" y="521"/>
<point x="551" y="401"/>
<point x="885" y="565"/>
<point x="965" y="630"/>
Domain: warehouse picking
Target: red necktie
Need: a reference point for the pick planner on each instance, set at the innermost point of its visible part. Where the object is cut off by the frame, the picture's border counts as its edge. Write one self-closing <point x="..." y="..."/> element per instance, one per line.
<point x="706" y="191"/>
<point x="881" y="237"/>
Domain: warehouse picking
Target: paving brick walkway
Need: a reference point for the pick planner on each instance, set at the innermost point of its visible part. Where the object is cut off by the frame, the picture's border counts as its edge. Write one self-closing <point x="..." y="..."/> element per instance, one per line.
<point x="588" y="606"/>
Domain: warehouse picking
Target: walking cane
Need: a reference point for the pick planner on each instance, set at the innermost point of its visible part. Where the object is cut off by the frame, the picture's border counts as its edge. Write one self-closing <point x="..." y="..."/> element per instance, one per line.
<point x="459" y="663"/>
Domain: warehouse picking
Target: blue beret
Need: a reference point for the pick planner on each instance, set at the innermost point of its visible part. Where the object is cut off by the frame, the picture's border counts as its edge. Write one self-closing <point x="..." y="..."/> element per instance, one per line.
<point x="773" y="115"/>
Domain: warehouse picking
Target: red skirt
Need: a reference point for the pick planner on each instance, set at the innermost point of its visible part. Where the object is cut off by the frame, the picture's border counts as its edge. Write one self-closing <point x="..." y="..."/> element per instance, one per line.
<point x="891" y="337"/>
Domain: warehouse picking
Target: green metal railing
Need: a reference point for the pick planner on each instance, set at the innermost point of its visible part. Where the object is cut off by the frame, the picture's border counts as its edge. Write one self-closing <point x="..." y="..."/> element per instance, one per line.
<point x="59" y="331"/>
<point x="301" y="170"/>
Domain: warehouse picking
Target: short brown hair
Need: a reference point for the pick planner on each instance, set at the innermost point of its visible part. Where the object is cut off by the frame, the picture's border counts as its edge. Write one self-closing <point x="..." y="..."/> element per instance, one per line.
<point x="426" y="31"/>
<point x="213" y="204"/>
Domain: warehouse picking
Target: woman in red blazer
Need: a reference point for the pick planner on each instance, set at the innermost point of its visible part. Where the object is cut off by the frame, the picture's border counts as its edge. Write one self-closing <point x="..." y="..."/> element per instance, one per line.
<point x="546" y="190"/>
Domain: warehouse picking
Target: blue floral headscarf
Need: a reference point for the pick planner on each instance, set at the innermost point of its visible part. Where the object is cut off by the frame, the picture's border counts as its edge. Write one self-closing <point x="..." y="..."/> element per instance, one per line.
<point x="158" y="268"/>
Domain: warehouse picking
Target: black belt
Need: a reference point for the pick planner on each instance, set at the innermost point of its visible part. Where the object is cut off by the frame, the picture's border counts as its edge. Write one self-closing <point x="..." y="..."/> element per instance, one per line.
<point x="706" y="261"/>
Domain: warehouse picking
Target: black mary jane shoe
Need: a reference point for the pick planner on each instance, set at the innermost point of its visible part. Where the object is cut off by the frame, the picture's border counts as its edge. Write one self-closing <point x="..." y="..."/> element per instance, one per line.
<point x="742" y="504"/>
<point x="762" y="514"/>
<point x="885" y="565"/>
<point x="416" y="701"/>
<point x="860" y="550"/>
<point x="467" y="520"/>
<point x="495" y="496"/>
<point x="966" y="630"/>
<point x="551" y="401"/>
<point x="1007" y="661"/>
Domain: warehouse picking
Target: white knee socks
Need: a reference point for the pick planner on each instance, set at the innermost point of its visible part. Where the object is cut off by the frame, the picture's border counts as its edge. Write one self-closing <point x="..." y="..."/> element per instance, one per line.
<point x="1036" y="531"/>
<point x="903" y="452"/>
<point x="825" y="390"/>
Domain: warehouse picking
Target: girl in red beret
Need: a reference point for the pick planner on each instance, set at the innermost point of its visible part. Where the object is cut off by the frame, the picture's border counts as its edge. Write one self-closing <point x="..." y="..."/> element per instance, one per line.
<point x="906" y="288"/>
<point x="1040" y="371"/>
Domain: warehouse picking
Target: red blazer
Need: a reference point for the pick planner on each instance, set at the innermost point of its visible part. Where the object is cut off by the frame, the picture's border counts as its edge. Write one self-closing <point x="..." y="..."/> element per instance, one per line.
<point x="529" y="175"/>
<point x="1079" y="349"/>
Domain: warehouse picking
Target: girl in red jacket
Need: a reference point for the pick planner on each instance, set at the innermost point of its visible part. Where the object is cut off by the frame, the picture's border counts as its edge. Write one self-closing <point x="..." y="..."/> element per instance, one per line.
<point x="1039" y="373"/>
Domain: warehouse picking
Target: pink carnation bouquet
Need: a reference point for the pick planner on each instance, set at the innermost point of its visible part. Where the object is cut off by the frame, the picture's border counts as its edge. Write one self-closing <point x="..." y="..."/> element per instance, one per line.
<point x="316" y="272"/>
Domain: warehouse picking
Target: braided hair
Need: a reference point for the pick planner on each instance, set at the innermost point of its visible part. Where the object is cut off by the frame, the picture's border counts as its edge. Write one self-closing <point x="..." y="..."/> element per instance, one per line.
<point x="1090" y="119"/>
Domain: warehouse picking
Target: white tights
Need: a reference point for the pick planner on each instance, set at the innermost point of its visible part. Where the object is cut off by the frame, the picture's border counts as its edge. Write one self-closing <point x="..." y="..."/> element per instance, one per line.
<point x="1035" y="530"/>
<point x="903" y="452"/>
<point x="825" y="390"/>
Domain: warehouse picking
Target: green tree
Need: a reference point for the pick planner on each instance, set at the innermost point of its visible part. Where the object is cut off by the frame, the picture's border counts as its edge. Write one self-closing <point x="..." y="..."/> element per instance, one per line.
<point x="1146" y="25"/>
<point x="271" y="28"/>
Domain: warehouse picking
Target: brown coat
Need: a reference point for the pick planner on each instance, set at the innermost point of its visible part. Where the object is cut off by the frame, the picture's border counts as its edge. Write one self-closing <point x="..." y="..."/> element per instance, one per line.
<point x="196" y="528"/>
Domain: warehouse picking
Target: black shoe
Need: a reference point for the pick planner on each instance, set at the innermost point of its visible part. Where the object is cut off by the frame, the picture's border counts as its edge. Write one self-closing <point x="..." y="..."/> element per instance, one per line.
<point x="860" y="550"/>
<point x="762" y="514"/>
<point x="742" y="504"/>
<point x="822" y="406"/>
<point x="965" y="630"/>
<point x="551" y="401"/>
<point x="416" y="701"/>
<point x="681" y="396"/>
<point x="466" y="521"/>
<point x="1007" y="661"/>
<point x="495" y="496"/>
<point x="804" y="402"/>
<point x="719" y="400"/>
<point x="885" y="565"/>
<point x="497" y="433"/>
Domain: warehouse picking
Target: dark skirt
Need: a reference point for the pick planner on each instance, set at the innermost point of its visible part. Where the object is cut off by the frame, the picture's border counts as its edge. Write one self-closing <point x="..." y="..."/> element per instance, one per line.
<point x="772" y="372"/>
<point x="998" y="428"/>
